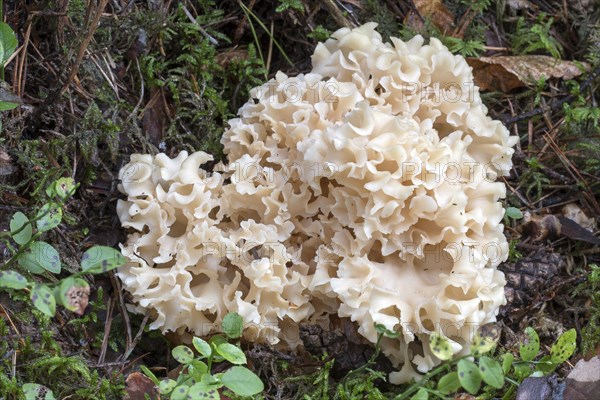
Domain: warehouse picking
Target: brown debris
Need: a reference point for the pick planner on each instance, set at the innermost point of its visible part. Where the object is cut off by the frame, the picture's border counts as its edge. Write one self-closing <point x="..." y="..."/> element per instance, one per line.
<point x="435" y="10"/>
<point x="505" y="73"/>
<point x="140" y="387"/>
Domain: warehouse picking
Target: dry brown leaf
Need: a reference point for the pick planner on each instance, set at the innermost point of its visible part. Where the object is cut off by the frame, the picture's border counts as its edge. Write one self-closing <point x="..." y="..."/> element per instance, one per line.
<point x="583" y="383"/>
<point x="541" y="228"/>
<point x="573" y="212"/>
<point x="506" y="73"/>
<point x="140" y="387"/>
<point x="435" y="10"/>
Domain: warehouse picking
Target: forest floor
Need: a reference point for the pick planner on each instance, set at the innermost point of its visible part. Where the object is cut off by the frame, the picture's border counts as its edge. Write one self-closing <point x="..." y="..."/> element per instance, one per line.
<point x="96" y="81"/>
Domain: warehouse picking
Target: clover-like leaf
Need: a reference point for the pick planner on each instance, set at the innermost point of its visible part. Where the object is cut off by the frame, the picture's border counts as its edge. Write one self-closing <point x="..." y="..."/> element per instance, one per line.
<point x="8" y="42"/>
<point x="73" y="294"/>
<point x="202" y="346"/>
<point x="40" y="257"/>
<point x="507" y="360"/>
<point x="531" y="347"/>
<point x="231" y="353"/>
<point x="33" y="391"/>
<point x="49" y="216"/>
<point x="183" y="354"/>
<point x="564" y="347"/>
<point x="99" y="259"/>
<point x="440" y="346"/>
<point x="233" y="325"/>
<point x="491" y="372"/>
<point x="514" y="213"/>
<point x="180" y="392"/>
<point x="420" y="395"/>
<point x="20" y="228"/>
<point x="12" y="280"/>
<point x="469" y="376"/>
<point x="449" y="383"/>
<point x="242" y="381"/>
<point x="43" y="299"/>
<point x="166" y="386"/>
<point x="485" y="339"/>
<point x="202" y="391"/>
<point x="62" y="188"/>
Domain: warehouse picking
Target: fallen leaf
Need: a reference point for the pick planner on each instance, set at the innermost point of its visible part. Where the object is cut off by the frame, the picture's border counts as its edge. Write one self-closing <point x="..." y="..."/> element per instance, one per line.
<point x="573" y="212"/>
<point x="6" y="167"/>
<point x="506" y="73"/>
<point x="551" y="227"/>
<point x="225" y="58"/>
<point x="138" y="386"/>
<point x="583" y="383"/>
<point x="435" y="10"/>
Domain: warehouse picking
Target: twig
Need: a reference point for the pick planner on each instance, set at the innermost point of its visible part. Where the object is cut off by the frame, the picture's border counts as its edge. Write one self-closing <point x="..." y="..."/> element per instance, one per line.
<point x="337" y="14"/>
<point x="84" y="44"/>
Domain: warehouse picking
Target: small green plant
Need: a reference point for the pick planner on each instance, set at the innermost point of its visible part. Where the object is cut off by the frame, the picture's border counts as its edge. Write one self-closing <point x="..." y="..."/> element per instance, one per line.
<point x="320" y="33"/>
<point x="36" y="257"/>
<point x="590" y="334"/>
<point x="196" y="379"/>
<point x="527" y="40"/>
<point x="466" y="48"/>
<point x="8" y="44"/>
<point x="290" y="4"/>
<point x="534" y="178"/>
<point x="478" y="368"/>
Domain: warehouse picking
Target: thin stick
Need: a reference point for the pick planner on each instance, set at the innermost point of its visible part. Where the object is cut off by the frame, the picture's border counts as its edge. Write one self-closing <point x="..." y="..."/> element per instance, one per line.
<point x="84" y="44"/>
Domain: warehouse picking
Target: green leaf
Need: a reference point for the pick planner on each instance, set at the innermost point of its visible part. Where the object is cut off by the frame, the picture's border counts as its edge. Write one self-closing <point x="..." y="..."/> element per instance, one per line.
<point x="166" y="386"/>
<point x="150" y="374"/>
<point x="73" y="293"/>
<point x="233" y="325"/>
<point x="449" y="383"/>
<point x="8" y="42"/>
<point x="231" y="353"/>
<point x="62" y="188"/>
<point x="522" y="371"/>
<point x="20" y="223"/>
<point x="507" y="360"/>
<point x="242" y="381"/>
<point x="485" y="339"/>
<point x="202" y="346"/>
<point x="531" y="347"/>
<point x="564" y="347"/>
<point x="420" y="395"/>
<point x="203" y="391"/>
<point x="100" y="259"/>
<point x="180" y="392"/>
<point x="40" y="257"/>
<point x="49" y="216"/>
<point x="43" y="299"/>
<point x="33" y="391"/>
<point x="197" y="368"/>
<point x="469" y="376"/>
<point x="12" y="280"/>
<point x="440" y="346"/>
<point x="545" y="365"/>
<point x="491" y="372"/>
<point x="514" y="213"/>
<point x="183" y="354"/>
<point x="7" y="105"/>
